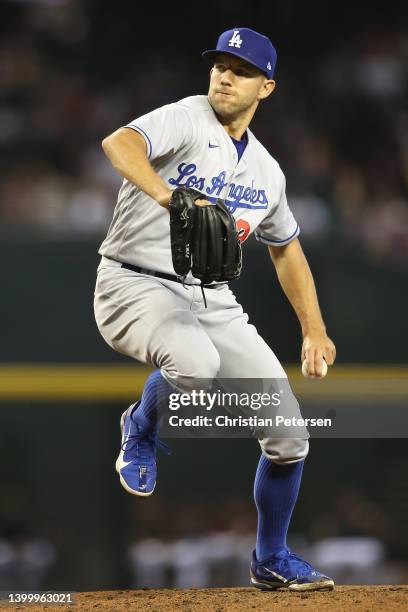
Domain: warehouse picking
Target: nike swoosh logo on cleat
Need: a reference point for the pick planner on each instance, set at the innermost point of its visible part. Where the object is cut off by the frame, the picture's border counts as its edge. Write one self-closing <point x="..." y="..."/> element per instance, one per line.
<point x="275" y="574"/>
<point x="213" y="146"/>
<point x="123" y="464"/>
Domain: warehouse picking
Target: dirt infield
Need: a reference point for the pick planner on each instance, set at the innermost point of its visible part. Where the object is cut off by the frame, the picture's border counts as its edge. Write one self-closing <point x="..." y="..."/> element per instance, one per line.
<point x="343" y="598"/>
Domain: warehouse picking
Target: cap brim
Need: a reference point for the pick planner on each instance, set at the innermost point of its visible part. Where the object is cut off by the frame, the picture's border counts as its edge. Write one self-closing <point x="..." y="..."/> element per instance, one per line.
<point x="211" y="53"/>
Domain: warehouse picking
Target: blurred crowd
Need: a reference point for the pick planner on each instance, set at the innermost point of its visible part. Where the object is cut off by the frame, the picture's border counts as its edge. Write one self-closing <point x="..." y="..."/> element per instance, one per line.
<point x="26" y="555"/>
<point x="206" y="546"/>
<point x="185" y="543"/>
<point x="338" y="125"/>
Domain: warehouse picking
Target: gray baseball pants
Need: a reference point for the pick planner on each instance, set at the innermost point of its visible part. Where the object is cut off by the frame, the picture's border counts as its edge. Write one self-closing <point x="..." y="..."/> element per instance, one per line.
<point x="165" y="324"/>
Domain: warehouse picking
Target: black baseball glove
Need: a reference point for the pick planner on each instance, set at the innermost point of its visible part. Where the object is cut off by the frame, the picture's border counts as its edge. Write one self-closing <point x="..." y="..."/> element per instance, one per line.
<point x="204" y="239"/>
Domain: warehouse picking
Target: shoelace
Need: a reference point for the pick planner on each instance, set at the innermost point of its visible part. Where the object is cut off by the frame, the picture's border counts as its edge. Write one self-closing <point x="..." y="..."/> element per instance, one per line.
<point x="141" y="443"/>
<point x="305" y="567"/>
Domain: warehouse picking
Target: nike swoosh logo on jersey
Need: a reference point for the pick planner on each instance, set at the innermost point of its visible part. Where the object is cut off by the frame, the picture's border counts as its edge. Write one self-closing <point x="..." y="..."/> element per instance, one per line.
<point x="213" y="146"/>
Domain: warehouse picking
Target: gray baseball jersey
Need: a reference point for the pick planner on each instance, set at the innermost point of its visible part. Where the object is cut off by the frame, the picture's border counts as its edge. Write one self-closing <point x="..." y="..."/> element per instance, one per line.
<point x="187" y="146"/>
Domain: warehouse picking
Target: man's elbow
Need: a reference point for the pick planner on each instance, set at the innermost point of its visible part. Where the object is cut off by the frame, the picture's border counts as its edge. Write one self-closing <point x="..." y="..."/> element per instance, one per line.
<point x="123" y="141"/>
<point x="114" y="147"/>
<point x="107" y="144"/>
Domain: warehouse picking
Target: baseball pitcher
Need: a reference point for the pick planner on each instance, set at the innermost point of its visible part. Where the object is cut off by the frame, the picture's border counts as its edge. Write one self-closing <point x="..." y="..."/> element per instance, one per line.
<point x="196" y="184"/>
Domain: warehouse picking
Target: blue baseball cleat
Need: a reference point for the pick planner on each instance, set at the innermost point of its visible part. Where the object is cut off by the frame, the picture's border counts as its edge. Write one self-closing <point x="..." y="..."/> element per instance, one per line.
<point x="136" y="463"/>
<point x="287" y="570"/>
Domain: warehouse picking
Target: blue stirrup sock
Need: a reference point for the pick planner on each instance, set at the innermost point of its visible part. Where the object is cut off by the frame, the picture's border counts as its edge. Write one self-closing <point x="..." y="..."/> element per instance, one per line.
<point x="275" y="491"/>
<point x="153" y="403"/>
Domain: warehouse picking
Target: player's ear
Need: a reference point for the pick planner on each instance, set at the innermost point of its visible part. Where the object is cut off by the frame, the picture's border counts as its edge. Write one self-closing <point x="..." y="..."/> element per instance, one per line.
<point x="266" y="89"/>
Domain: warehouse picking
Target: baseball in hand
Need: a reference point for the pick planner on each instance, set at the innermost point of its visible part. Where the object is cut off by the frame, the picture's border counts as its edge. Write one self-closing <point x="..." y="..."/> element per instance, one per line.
<point x="305" y="371"/>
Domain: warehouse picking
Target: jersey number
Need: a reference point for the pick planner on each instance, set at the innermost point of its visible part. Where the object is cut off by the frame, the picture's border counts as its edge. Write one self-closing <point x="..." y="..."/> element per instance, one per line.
<point x="243" y="229"/>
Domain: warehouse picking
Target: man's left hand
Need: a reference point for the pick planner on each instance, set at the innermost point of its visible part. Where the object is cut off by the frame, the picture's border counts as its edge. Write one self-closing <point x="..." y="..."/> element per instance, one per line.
<point x="316" y="347"/>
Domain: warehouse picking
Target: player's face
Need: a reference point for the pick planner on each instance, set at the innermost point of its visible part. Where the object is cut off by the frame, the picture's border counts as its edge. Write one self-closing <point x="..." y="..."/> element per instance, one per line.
<point x="236" y="86"/>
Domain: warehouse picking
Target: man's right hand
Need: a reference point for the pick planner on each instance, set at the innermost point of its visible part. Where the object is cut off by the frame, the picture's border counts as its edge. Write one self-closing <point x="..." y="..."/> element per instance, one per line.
<point x="203" y="203"/>
<point x="164" y="199"/>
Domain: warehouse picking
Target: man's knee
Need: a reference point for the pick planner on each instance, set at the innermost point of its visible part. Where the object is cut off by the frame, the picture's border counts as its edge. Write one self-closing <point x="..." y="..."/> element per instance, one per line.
<point x="194" y="369"/>
<point x="285" y="450"/>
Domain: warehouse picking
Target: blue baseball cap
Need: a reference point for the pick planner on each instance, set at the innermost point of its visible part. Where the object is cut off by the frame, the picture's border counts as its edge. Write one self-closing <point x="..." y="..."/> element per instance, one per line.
<point x="254" y="48"/>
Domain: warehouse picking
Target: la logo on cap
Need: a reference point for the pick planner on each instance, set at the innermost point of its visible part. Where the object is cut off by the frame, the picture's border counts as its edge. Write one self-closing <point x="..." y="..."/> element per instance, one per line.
<point x="235" y="40"/>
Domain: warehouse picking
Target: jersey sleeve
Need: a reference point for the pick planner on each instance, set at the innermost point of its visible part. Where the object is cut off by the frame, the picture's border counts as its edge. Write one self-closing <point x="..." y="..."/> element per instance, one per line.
<point x="165" y="130"/>
<point x="279" y="227"/>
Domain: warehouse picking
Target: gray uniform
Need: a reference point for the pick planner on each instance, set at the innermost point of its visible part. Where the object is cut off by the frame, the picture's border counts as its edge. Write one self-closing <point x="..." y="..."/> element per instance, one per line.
<point x="160" y="322"/>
